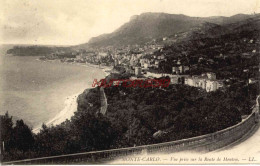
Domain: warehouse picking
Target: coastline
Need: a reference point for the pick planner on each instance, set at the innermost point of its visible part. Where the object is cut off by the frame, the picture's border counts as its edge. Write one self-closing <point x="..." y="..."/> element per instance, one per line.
<point x="70" y="104"/>
<point x="66" y="113"/>
<point x="105" y="69"/>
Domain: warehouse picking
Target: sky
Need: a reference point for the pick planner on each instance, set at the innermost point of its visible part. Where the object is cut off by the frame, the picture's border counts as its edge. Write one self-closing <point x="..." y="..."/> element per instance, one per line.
<point x="71" y="22"/>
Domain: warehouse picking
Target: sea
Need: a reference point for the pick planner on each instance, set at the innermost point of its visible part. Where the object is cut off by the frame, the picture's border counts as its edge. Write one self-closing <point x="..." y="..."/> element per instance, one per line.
<point x="35" y="90"/>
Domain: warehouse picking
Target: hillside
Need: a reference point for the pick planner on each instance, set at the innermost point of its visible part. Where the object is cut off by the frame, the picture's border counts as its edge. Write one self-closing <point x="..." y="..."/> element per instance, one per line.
<point x="147" y="26"/>
<point x="226" y="50"/>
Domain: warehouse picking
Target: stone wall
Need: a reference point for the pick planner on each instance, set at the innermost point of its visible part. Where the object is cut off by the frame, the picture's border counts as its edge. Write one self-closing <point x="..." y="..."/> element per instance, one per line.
<point x="208" y="142"/>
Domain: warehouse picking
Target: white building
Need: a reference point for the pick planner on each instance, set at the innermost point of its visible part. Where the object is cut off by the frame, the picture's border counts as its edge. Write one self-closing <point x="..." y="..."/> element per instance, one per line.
<point x="205" y="81"/>
<point x="189" y="81"/>
<point x="154" y="75"/>
<point x="211" y="85"/>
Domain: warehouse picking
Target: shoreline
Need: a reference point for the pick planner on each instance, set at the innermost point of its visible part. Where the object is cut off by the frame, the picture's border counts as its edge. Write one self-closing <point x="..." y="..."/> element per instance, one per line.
<point x="70" y="103"/>
<point x="66" y="113"/>
<point x="105" y="69"/>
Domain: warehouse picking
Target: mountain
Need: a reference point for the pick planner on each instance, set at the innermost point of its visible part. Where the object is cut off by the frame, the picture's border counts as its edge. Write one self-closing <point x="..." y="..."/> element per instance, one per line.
<point x="147" y="26"/>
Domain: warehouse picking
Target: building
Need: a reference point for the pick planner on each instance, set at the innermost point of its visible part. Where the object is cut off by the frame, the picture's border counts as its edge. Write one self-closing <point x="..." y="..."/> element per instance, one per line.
<point x="181" y="80"/>
<point x="178" y="71"/>
<point x="165" y="38"/>
<point x="189" y="81"/>
<point x="211" y="85"/>
<point x="153" y="75"/>
<point x="102" y="54"/>
<point x="186" y="68"/>
<point x="181" y="68"/>
<point x="138" y="71"/>
<point x="142" y="61"/>
<point x="174" y="69"/>
<point x="174" y="80"/>
<point x="116" y="62"/>
<point x="211" y="76"/>
<point x="252" y="80"/>
<point x="202" y="83"/>
<point x="146" y="65"/>
<point x="161" y="57"/>
<point x="205" y="81"/>
<point x="78" y="57"/>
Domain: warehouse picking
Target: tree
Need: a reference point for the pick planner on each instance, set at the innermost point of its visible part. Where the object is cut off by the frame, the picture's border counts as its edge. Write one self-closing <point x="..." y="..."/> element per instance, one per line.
<point x="6" y="131"/>
<point x="22" y="136"/>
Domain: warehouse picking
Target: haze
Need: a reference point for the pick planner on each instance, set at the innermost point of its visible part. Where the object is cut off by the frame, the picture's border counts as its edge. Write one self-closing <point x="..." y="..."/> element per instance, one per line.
<point x="67" y="22"/>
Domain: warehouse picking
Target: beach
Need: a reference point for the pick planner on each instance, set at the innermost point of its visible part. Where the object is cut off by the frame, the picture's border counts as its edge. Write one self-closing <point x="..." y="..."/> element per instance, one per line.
<point x="70" y="106"/>
<point x="42" y="92"/>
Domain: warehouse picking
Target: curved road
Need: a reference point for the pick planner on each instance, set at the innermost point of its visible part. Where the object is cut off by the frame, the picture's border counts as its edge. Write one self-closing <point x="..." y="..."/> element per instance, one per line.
<point x="247" y="146"/>
<point x="245" y="150"/>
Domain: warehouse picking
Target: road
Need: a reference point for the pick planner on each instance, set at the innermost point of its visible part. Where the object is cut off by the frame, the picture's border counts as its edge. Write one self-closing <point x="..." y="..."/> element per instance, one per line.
<point x="247" y="146"/>
<point x="246" y="150"/>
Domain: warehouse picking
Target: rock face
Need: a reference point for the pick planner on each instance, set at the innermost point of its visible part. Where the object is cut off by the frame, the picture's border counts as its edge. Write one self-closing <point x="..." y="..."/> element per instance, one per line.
<point x="158" y="134"/>
<point x="147" y="26"/>
<point x="103" y="99"/>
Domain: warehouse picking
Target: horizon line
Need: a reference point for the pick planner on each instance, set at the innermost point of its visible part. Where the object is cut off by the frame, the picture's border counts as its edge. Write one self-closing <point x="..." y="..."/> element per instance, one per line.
<point x="70" y="45"/>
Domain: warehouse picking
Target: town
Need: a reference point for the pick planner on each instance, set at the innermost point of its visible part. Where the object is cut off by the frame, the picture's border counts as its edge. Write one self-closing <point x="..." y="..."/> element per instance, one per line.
<point x="207" y="97"/>
<point x="210" y="63"/>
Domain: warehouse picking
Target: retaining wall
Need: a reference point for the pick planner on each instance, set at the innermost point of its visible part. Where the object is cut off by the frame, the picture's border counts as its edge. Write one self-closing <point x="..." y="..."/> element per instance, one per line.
<point x="206" y="142"/>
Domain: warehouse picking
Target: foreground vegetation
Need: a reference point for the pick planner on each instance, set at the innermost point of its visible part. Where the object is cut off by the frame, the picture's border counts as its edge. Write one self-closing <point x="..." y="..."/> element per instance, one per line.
<point x="135" y="116"/>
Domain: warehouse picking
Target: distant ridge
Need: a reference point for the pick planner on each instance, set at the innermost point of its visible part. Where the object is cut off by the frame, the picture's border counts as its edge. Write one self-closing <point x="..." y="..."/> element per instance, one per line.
<point x="147" y="26"/>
